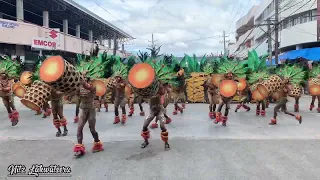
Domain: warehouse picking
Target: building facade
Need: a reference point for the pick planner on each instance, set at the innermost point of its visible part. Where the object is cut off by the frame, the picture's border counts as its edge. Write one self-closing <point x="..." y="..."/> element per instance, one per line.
<point x="297" y="27"/>
<point x="30" y="27"/>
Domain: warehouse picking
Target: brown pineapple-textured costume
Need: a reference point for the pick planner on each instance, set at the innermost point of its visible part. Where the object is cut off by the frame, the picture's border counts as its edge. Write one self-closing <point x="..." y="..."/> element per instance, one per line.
<point x="244" y="99"/>
<point x="156" y="111"/>
<point x="7" y="98"/>
<point x="178" y="93"/>
<point x="165" y="99"/>
<point x="224" y="101"/>
<point x="87" y="114"/>
<point x="213" y="97"/>
<point x="120" y="100"/>
<point x="103" y="100"/>
<point x="57" y="112"/>
<point x="282" y="104"/>
<point x="315" y="97"/>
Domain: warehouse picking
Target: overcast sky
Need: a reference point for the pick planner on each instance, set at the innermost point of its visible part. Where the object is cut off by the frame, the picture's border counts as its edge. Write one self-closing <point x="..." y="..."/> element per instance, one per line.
<point x="176" y="24"/>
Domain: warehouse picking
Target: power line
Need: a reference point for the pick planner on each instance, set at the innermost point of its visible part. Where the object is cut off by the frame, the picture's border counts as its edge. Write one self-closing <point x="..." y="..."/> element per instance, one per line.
<point x="235" y="16"/>
<point x="113" y="16"/>
<point x="300" y="7"/>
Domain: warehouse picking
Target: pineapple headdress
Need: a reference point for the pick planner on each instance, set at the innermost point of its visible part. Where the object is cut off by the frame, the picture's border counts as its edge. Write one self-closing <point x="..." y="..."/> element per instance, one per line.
<point x="315" y="71"/>
<point x="11" y="68"/>
<point x="95" y="68"/>
<point x="119" y="69"/>
<point x="236" y="68"/>
<point x="208" y="68"/>
<point x="294" y="74"/>
<point x="164" y="73"/>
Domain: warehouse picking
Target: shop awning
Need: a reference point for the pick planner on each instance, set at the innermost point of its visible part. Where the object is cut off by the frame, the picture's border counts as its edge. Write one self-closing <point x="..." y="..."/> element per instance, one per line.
<point x="312" y="54"/>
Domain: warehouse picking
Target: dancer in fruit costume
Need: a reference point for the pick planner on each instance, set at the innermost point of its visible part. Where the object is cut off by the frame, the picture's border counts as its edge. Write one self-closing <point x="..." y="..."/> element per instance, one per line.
<point x="231" y="71"/>
<point x="291" y="75"/>
<point x="244" y="99"/>
<point x="254" y="79"/>
<point x="154" y="92"/>
<point x="120" y="73"/>
<point x="314" y="83"/>
<point x="57" y="112"/>
<point x="8" y="71"/>
<point x="178" y="91"/>
<point x="213" y="97"/>
<point x="259" y="73"/>
<point x="166" y="100"/>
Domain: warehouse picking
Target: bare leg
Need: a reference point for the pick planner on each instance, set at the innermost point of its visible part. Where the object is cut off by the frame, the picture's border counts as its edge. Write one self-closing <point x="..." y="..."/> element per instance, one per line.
<point x="116" y="110"/>
<point x="14" y="117"/>
<point x="92" y="126"/>
<point x="145" y="132"/>
<point x="79" y="148"/>
<point x="296" y="105"/>
<point x="63" y="120"/>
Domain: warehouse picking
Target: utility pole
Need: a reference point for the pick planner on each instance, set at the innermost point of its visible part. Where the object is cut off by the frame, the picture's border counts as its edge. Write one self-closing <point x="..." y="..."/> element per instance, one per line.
<point x="224" y="36"/>
<point x="269" y="34"/>
<point x="152" y="42"/>
<point x="276" y="31"/>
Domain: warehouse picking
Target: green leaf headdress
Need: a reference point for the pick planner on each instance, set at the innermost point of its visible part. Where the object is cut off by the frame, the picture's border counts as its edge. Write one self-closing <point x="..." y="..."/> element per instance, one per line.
<point x="237" y="69"/>
<point x="11" y="68"/>
<point x="315" y="71"/>
<point x="164" y="72"/>
<point x="95" y="68"/>
<point x="293" y="73"/>
<point x="120" y="69"/>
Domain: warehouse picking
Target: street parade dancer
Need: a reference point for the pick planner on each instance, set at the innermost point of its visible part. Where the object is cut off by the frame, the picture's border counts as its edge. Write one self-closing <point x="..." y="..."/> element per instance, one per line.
<point x="178" y="91"/>
<point x="259" y="74"/>
<point x="228" y="87"/>
<point x="291" y="75"/>
<point x="120" y="72"/>
<point x="146" y="79"/>
<point x="8" y="71"/>
<point x="244" y="98"/>
<point x="166" y="100"/>
<point x="313" y="83"/>
<point x="213" y="96"/>
<point x="57" y="113"/>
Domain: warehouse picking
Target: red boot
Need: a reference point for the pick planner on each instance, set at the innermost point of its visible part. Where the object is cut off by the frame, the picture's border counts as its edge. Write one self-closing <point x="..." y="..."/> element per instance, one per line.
<point x="14" y="118"/>
<point x="48" y="112"/>
<point x="175" y="112"/>
<point x="247" y="108"/>
<point x="79" y="150"/>
<point x="211" y="115"/>
<point x="76" y="119"/>
<point x="224" y="120"/>
<point x="299" y="118"/>
<point x="311" y="107"/>
<point x="145" y="135"/>
<point x="116" y="120"/>
<point x="273" y="121"/>
<point x="180" y="109"/>
<point x="131" y="112"/>
<point x="154" y="125"/>
<point x="263" y="113"/>
<point x="183" y="106"/>
<point x="296" y="108"/>
<point x="238" y="107"/>
<point x="168" y="120"/>
<point x="106" y="106"/>
<point x="318" y="109"/>
<point x="142" y="113"/>
<point x="97" y="147"/>
<point x="123" y="119"/>
<point x="258" y="112"/>
<point x="218" y="118"/>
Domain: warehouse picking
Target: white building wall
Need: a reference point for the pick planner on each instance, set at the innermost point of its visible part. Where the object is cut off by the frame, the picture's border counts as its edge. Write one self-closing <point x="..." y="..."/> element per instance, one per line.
<point x="288" y="36"/>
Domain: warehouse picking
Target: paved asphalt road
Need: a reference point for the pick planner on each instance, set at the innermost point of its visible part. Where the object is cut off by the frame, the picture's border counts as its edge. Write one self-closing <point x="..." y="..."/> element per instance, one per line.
<point x="248" y="148"/>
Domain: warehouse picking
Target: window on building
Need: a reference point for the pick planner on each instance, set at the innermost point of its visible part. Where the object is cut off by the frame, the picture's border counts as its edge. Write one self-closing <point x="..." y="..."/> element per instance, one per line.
<point x="296" y="21"/>
<point x="304" y="18"/>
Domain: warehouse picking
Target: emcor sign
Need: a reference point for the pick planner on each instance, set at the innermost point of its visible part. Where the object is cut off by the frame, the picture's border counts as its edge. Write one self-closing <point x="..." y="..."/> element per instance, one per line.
<point x="44" y="43"/>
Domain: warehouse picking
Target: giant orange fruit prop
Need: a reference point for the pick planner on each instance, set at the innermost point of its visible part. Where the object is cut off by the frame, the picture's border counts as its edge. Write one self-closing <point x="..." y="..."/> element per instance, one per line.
<point x="257" y="96"/>
<point x="263" y="90"/>
<point x="25" y="77"/>
<point x="19" y="91"/>
<point x="314" y="90"/>
<point x="216" y="79"/>
<point x="228" y="88"/>
<point x="15" y="85"/>
<point x="242" y="84"/>
<point x="101" y="88"/>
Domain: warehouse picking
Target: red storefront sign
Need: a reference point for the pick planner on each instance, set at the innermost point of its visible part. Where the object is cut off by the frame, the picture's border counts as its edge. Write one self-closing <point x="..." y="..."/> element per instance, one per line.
<point x="44" y="43"/>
